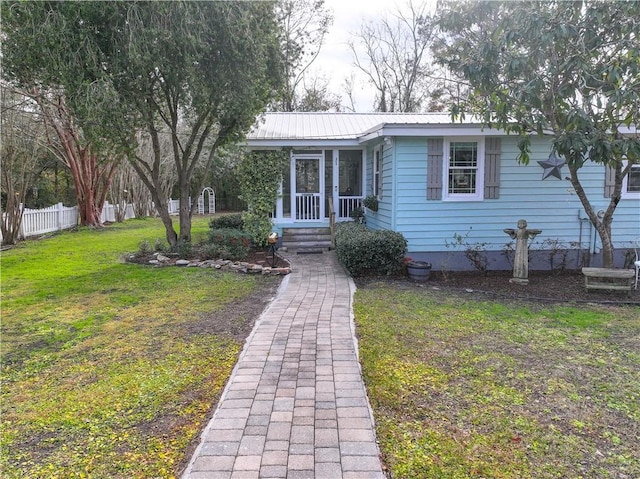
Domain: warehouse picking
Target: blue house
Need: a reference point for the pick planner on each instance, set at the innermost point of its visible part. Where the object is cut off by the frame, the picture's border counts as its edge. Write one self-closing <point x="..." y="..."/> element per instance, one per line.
<point x="448" y="187"/>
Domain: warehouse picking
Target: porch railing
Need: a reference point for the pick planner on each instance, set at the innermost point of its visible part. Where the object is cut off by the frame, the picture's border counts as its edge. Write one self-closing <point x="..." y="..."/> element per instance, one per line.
<point x="346" y="204"/>
<point x="308" y="207"/>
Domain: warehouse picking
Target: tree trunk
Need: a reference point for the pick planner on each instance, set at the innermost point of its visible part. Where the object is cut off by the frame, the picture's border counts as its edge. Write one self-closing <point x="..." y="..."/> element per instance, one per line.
<point x="602" y="223"/>
<point x="91" y="177"/>
<point x="11" y="220"/>
<point x="151" y="178"/>
<point x="170" y="234"/>
<point x="185" y="213"/>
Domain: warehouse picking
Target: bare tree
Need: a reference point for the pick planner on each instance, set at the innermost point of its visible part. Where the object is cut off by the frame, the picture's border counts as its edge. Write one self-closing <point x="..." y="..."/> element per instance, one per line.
<point x="316" y="96"/>
<point x="348" y="87"/>
<point x="22" y="135"/>
<point x="396" y="60"/>
<point x="304" y="24"/>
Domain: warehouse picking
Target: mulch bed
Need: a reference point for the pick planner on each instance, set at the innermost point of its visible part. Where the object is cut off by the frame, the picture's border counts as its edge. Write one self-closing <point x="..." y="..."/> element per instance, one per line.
<point x="544" y="286"/>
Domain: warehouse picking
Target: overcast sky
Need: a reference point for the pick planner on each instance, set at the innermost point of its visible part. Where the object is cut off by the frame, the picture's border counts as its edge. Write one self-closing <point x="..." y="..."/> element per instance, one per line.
<point x="336" y="60"/>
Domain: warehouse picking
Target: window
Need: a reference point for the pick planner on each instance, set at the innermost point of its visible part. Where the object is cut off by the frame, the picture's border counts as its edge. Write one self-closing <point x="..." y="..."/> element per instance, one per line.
<point x="377" y="179"/>
<point x="631" y="183"/>
<point x="463" y="169"/>
<point x="350" y="172"/>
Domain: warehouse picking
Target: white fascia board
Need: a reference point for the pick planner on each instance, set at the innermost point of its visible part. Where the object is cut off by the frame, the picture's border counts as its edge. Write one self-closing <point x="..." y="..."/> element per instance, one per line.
<point x="324" y="144"/>
<point x="431" y="130"/>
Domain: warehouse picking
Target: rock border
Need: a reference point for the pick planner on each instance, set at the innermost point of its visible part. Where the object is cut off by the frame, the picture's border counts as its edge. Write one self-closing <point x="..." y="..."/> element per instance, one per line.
<point x="222" y="265"/>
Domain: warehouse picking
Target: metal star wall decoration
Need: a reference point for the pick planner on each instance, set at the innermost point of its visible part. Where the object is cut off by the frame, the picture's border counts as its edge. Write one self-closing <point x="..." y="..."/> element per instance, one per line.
<point x="552" y="166"/>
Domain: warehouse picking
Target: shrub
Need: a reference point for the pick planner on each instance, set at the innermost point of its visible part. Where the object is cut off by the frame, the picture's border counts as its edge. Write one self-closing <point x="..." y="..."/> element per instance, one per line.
<point x="232" y="221"/>
<point x="144" y="248"/>
<point x="475" y="252"/>
<point x="184" y="249"/>
<point x="258" y="226"/>
<point x="227" y="243"/>
<point x="260" y="174"/>
<point x="159" y="245"/>
<point x="361" y="250"/>
<point x="370" y="202"/>
<point x="358" y="215"/>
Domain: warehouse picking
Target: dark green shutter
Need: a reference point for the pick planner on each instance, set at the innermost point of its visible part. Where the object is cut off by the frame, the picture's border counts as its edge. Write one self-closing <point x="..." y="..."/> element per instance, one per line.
<point x="434" y="168"/>
<point x="609" y="181"/>
<point x="492" y="168"/>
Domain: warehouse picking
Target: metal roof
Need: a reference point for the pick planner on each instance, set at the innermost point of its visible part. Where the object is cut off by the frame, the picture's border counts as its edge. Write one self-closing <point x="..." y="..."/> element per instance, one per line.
<point x="335" y="126"/>
<point x="330" y="129"/>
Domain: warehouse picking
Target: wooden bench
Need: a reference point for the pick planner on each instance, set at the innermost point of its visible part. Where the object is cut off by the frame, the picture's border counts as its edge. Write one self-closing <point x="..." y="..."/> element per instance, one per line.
<point x="609" y="279"/>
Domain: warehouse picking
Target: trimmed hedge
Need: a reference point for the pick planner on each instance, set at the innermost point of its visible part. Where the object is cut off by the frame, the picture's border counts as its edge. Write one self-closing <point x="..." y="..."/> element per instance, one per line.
<point x="232" y="221"/>
<point x="227" y="243"/>
<point x="365" y="251"/>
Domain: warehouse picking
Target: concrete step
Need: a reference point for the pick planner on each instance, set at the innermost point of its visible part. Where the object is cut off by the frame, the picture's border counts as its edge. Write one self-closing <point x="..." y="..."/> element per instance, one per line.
<point x="306" y="231"/>
<point x="303" y="237"/>
<point x="307" y="244"/>
<point x="306" y="238"/>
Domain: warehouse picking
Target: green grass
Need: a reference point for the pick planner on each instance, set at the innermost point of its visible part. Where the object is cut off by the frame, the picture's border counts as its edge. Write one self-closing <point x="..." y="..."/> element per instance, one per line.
<point x="467" y="389"/>
<point x="108" y="368"/>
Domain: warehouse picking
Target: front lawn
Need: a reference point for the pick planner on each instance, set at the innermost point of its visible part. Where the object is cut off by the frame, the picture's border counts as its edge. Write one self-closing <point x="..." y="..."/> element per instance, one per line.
<point x="465" y="388"/>
<point x="109" y="369"/>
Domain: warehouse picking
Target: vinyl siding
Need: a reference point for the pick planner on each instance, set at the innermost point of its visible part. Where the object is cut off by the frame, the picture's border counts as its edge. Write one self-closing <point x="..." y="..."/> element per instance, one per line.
<point x="549" y="205"/>
<point x="383" y="218"/>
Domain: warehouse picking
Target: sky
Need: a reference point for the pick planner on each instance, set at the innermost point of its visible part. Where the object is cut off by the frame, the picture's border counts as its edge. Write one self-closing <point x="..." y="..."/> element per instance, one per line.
<point x="335" y="60"/>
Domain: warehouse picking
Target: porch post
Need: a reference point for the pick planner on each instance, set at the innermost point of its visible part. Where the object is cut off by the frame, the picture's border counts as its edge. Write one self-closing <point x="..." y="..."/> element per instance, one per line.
<point x="336" y="182"/>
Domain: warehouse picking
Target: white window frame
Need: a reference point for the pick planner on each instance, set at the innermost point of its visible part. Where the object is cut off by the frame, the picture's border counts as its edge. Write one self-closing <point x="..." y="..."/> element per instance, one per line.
<point x="376" y="185"/>
<point x="628" y="195"/>
<point x="479" y="194"/>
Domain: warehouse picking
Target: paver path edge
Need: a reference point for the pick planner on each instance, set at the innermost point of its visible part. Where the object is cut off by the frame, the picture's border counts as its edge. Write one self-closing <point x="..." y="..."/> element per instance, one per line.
<point x="295" y="405"/>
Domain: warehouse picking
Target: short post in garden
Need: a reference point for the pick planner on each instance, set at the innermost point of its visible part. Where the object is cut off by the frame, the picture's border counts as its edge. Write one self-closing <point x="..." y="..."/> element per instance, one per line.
<point x="272" y="255"/>
<point x="521" y="260"/>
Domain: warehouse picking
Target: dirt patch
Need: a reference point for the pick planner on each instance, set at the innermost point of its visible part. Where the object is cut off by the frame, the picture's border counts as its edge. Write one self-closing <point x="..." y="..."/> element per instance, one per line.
<point x="544" y="286"/>
<point x="237" y="318"/>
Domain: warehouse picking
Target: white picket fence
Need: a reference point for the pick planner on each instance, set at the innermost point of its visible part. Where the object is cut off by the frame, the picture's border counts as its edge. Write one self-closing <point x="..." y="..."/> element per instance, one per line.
<point x="46" y="220"/>
<point x="59" y="217"/>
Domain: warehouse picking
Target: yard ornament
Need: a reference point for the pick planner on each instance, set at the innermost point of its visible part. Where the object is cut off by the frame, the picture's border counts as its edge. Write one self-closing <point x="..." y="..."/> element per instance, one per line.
<point x="521" y="260"/>
<point x="552" y="166"/>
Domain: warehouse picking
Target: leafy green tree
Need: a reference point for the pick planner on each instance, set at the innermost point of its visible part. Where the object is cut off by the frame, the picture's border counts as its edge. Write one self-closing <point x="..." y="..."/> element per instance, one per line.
<point x="197" y="72"/>
<point x="47" y="51"/>
<point x="567" y="70"/>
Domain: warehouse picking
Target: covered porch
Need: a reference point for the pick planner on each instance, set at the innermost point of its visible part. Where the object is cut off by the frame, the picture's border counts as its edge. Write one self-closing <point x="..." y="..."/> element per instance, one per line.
<point x="317" y="179"/>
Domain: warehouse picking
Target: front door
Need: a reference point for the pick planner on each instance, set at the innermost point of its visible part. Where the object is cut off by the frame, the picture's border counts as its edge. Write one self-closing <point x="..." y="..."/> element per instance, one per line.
<point x="308" y="185"/>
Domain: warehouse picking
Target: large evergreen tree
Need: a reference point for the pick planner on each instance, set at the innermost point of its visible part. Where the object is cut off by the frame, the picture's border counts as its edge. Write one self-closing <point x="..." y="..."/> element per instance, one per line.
<point x="198" y="72"/>
<point x="567" y="70"/>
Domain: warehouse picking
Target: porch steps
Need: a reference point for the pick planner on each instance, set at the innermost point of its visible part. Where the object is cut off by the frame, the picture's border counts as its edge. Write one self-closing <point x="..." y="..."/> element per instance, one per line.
<point x="305" y="239"/>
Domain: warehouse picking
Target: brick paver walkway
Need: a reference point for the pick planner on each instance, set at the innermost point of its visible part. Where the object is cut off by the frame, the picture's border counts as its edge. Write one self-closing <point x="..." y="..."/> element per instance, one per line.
<point x="295" y="406"/>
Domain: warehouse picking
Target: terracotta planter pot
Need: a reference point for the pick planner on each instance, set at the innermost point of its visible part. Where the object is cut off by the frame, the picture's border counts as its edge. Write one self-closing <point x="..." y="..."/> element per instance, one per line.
<point x="419" y="270"/>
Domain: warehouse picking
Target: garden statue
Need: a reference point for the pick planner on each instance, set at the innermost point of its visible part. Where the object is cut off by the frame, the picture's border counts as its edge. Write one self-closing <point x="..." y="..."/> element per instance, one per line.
<point x="521" y="260"/>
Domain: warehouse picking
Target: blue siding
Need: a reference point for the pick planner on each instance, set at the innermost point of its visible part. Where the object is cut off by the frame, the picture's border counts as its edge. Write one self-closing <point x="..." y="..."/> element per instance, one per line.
<point x="549" y="205"/>
<point x="383" y="218"/>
